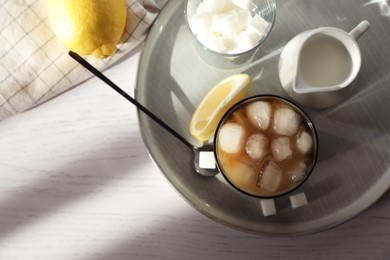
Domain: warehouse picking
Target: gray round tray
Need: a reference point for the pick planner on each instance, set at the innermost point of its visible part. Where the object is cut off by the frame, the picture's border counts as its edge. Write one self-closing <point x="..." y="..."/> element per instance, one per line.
<point x="354" y="138"/>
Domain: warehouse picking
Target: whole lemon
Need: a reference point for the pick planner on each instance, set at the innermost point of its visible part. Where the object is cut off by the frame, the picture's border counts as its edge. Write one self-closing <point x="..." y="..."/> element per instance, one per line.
<point x="88" y="26"/>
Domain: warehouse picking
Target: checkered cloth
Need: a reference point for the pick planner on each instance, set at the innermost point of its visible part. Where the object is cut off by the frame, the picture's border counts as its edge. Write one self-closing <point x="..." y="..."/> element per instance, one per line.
<point x="35" y="67"/>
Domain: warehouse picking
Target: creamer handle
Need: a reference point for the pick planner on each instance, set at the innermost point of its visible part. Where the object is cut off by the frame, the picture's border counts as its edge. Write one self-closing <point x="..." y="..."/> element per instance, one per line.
<point x="361" y="28"/>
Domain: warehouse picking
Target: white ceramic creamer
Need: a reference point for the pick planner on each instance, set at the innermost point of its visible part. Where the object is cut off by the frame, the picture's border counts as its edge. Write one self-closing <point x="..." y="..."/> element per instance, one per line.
<point x="319" y="67"/>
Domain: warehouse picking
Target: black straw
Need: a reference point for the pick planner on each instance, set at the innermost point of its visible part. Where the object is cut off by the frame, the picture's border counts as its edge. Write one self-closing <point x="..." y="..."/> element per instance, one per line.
<point x="101" y="76"/>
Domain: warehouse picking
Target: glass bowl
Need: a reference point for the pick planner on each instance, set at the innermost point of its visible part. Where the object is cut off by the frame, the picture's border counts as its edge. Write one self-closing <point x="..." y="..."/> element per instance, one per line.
<point x="229" y="34"/>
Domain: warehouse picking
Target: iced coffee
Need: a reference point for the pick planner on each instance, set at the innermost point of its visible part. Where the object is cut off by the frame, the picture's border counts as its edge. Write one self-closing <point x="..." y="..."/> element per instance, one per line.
<point x="265" y="146"/>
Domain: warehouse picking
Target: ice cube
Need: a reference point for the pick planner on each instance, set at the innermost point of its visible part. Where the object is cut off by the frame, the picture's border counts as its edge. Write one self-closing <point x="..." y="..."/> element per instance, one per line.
<point x="298" y="172"/>
<point x="270" y="177"/>
<point x="241" y="174"/>
<point x="231" y="137"/>
<point x="281" y="148"/>
<point x="304" y="142"/>
<point x="257" y="146"/>
<point x="259" y="114"/>
<point x="286" y="121"/>
<point x="258" y="24"/>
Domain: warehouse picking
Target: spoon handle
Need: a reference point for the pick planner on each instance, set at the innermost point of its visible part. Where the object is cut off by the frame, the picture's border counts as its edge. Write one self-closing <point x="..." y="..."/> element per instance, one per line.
<point x="101" y="76"/>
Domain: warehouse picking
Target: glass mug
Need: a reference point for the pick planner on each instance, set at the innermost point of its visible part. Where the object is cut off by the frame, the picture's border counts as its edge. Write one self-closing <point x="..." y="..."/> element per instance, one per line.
<point x="265" y="146"/>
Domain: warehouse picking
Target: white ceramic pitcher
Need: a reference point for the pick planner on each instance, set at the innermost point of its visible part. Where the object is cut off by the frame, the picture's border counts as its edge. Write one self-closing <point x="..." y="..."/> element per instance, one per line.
<point x="319" y="67"/>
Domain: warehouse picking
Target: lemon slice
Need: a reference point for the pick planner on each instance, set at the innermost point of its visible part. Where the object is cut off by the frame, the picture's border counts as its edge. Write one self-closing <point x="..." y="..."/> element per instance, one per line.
<point x="217" y="101"/>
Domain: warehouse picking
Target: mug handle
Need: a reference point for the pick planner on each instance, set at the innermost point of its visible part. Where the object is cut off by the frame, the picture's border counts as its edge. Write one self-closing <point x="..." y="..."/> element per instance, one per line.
<point x="360" y="29"/>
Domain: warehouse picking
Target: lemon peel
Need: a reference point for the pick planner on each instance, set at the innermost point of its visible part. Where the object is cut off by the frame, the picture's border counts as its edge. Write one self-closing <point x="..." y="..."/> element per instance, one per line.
<point x="217" y="101"/>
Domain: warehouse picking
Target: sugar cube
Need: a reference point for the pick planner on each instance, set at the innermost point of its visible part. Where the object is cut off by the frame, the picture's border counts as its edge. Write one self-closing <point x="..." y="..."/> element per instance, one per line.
<point x="244" y="4"/>
<point x="231" y="20"/>
<point x="215" y="6"/>
<point x="218" y="20"/>
<point x="200" y="23"/>
<point x="268" y="207"/>
<point x="206" y="160"/>
<point x="298" y="200"/>
<point x="248" y="39"/>
<point x="213" y="42"/>
<point x="258" y="24"/>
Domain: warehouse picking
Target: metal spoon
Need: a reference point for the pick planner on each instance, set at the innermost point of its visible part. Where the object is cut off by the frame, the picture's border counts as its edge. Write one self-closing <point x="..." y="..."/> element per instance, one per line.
<point x="196" y="150"/>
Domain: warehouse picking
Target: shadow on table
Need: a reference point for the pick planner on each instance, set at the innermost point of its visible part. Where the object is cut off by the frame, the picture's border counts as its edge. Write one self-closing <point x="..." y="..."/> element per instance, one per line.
<point x="193" y="237"/>
<point x="76" y="180"/>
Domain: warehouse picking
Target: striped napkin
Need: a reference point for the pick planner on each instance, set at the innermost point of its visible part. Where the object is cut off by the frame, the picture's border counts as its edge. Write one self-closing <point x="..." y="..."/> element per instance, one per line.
<point x="35" y="67"/>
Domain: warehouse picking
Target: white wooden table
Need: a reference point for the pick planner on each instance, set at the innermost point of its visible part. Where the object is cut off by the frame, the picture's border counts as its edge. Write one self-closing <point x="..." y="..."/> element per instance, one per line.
<point x="76" y="182"/>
